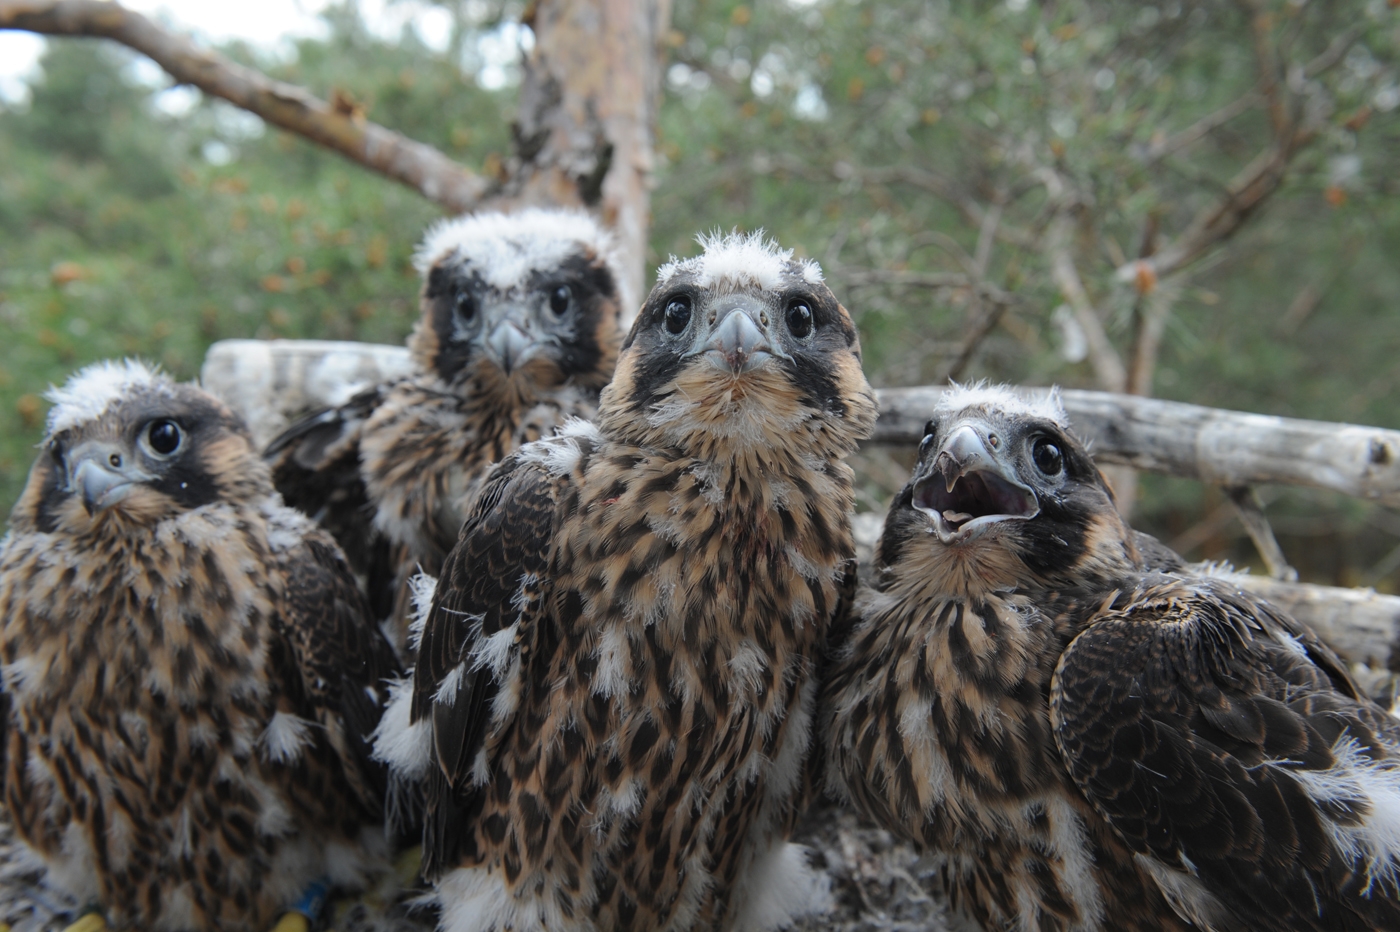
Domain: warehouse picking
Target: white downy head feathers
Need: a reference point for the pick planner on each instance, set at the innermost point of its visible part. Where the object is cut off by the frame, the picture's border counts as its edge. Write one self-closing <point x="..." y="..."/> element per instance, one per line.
<point x="740" y="259"/>
<point x="1004" y="399"/>
<point x="90" y="391"/>
<point x="505" y="248"/>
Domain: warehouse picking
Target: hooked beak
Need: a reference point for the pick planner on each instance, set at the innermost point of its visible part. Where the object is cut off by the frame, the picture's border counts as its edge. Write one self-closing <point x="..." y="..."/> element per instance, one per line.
<point x="966" y="488"/>
<point x="103" y="475"/>
<point x="510" y="346"/>
<point x="739" y="343"/>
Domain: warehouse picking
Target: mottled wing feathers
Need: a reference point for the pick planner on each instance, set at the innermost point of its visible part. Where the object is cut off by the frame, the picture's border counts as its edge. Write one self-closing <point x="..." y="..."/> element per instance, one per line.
<point x="313" y="440"/>
<point x="488" y="582"/>
<point x="316" y="467"/>
<point x="340" y="659"/>
<point x="1156" y="556"/>
<point x="1227" y="743"/>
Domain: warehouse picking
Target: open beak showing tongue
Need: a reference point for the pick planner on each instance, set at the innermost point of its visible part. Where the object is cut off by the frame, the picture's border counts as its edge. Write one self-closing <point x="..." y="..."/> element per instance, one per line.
<point x="966" y="488"/>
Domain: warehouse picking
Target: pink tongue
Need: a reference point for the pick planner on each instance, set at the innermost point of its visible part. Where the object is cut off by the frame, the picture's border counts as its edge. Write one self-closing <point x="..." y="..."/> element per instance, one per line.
<point x="956" y="517"/>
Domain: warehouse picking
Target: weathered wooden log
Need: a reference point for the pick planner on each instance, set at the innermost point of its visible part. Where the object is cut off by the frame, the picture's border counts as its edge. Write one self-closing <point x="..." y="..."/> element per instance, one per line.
<point x="420" y="166"/>
<point x="1360" y="624"/>
<point x="270" y="382"/>
<point x="1229" y="448"/>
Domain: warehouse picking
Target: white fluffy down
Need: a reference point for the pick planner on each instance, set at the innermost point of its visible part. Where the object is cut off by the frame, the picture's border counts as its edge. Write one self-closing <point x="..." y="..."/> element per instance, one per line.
<point x="89" y="391"/>
<point x="476" y="899"/>
<point x="285" y="737"/>
<point x="406" y="749"/>
<point x="505" y="248"/>
<point x="740" y="259"/>
<point x="1002" y="398"/>
<point x="421" y="588"/>
<point x="779" y="888"/>
<point x="1373" y="844"/>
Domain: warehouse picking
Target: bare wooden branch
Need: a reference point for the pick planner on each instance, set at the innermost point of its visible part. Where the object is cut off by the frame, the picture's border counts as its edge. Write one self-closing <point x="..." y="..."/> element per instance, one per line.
<point x="270" y="382"/>
<point x="850" y="276"/>
<point x="1256" y="525"/>
<point x="1220" y="219"/>
<point x="1202" y="127"/>
<point x="421" y="167"/>
<point x="986" y="321"/>
<point x="1227" y="448"/>
<point x="1221" y="447"/>
<point x="1337" y="49"/>
<point x="1360" y="624"/>
<point x="1108" y="365"/>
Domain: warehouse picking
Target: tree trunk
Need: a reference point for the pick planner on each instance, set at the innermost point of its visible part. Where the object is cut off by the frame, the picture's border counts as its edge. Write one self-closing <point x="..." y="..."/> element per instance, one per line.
<point x="586" y="123"/>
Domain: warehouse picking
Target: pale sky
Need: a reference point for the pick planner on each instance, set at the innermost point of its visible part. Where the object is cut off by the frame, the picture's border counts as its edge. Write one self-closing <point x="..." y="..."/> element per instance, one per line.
<point x="265" y="23"/>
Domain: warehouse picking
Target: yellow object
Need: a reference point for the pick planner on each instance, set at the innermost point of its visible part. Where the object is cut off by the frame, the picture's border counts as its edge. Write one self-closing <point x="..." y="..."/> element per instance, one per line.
<point x="89" y="922"/>
<point x="292" y="922"/>
<point x="408" y="864"/>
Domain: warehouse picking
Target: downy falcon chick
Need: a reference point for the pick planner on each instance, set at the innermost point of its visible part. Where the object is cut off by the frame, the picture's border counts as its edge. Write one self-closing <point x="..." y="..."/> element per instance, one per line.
<point x="1089" y="743"/>
<point x="521" y="317"/>
<point x="190" y="672"/>
<point x="614" y="690"/>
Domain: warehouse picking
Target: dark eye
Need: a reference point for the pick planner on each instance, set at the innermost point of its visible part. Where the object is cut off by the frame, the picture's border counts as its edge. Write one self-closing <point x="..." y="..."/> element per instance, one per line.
<point x="1047" y="456"/>
<point x="559" y="299"/>
<point x="930" y="429"/>
<point x="678" y="313"/>
<point x="799" y="318"/>
<point x="163" y="436"/>
<point x="464" y="304"/>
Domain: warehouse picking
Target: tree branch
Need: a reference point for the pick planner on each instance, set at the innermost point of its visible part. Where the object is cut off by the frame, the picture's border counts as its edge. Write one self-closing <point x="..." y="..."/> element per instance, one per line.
<point x="912" y="278"/>
<point x="1256" y="525"/>
<point x="1202" y="127"/>
<point x="1108" y="365"/>
<point x="926" y="180"/>
<point x="279" y="379"/>
<point x="1243" y="195"/>
<point x="987" y="317"/>
<point x="421" y="167"/>
<point x="1266" y="61"/>
<point x="1264" y="174"/>
<point x="1336" y="50"/>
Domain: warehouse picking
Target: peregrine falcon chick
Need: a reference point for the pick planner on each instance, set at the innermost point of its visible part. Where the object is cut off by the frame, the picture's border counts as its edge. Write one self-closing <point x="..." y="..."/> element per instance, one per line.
<point x="615" y="685"/>
<point x="519" y="328"/>
<point x="190" y="672"/>
<point x="1090" y="743"/>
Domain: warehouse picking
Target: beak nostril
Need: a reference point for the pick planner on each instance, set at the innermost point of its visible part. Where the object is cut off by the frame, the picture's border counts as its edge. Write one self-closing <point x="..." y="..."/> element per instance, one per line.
<point x="116" y="460"/>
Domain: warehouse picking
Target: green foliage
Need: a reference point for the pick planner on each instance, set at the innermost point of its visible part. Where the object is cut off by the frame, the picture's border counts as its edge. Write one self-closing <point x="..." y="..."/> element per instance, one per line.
<point x="118" y="237"/>
<point x="939" y="113"/>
